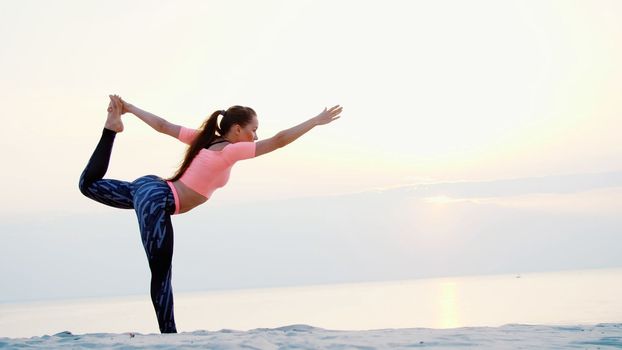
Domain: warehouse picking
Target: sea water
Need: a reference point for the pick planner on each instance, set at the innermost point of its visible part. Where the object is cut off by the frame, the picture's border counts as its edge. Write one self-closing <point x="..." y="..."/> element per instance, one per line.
<point x="550" y="298"/>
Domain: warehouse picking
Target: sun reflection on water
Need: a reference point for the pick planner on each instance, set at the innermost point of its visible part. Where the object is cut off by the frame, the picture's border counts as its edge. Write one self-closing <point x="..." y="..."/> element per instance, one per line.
<point x="448" y="306"/>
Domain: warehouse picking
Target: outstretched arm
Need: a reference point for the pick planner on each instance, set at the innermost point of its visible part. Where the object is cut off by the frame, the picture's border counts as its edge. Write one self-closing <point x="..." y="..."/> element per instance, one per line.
<point x="157" y="123"/>
<point x="285" y="137"/>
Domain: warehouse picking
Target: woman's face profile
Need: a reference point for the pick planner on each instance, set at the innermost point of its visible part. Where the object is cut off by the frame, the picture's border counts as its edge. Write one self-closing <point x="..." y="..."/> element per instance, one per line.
<point x="248" y="133"/>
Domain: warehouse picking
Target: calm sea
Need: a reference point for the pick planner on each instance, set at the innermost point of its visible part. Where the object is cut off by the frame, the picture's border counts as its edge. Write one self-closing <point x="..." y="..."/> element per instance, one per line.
<point x="552" y="298"/>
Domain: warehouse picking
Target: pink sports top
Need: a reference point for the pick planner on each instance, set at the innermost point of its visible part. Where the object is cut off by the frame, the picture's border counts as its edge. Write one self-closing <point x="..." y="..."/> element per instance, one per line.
<point x="210" y="169"/>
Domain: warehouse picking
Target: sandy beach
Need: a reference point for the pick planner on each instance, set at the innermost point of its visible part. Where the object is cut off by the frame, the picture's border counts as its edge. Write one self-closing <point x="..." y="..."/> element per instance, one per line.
<point x="600" y="336"/>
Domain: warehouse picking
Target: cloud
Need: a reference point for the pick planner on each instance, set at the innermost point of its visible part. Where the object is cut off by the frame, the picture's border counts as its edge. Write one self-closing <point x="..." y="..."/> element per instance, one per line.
<point x="563" y="184"/>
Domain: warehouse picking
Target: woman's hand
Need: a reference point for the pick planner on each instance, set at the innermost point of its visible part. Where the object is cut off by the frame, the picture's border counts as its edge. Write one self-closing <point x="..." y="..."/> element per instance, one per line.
<point x="122" y="105"/>
<point x="328" y="115"/>
<point x="116" y="106"/>
<point x="125" y="106"/>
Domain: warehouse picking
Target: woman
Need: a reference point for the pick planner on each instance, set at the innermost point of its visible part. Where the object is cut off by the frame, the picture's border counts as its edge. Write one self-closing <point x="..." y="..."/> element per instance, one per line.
<point x="212" y="151"/>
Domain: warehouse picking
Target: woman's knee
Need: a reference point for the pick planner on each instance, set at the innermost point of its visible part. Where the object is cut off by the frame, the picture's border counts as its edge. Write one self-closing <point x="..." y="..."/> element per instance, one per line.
<point x="83" y="184"/>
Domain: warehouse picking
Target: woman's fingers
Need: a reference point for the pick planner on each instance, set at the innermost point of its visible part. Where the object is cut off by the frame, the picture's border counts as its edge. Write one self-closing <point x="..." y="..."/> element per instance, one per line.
<point x="123" y="105"/>
<point x="336" y="110"/>
<point x="330" y="114"/>
<point x="333" y="109"/>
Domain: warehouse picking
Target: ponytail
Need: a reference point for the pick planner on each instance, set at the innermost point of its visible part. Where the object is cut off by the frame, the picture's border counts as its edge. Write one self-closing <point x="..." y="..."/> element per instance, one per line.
<point x="207" y="134"/>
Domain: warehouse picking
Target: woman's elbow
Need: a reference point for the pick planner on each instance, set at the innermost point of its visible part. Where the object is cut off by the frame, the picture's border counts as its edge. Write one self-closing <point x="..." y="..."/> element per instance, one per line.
<point x="280" y="140"/>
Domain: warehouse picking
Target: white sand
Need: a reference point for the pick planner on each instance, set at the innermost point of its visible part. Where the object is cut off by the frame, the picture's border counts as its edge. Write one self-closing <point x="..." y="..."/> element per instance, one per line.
<point x="601" y="336"/>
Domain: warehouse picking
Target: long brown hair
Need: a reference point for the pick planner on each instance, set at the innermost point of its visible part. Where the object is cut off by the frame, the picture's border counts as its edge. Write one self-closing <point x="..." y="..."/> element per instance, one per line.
<point x="210" y="130"/>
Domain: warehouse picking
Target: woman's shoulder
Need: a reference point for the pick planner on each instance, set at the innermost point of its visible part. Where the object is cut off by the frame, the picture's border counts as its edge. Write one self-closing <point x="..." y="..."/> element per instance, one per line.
<point x="218" y="145"/>
<point x="240" y="150"/>
<point x="231" y="152"/>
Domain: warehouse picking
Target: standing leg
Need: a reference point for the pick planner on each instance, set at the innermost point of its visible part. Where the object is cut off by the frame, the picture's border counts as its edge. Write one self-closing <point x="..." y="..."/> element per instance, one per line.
<point x="152" y="202"/>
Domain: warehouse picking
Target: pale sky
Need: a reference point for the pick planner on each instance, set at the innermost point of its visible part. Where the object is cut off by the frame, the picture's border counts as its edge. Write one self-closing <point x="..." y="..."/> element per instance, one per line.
<point x="434" y="93"/>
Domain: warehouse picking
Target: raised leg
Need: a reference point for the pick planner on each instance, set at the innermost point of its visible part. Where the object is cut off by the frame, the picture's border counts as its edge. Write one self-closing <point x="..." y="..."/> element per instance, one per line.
<point x="111" y="192"/>
<point x="114" y="193"/>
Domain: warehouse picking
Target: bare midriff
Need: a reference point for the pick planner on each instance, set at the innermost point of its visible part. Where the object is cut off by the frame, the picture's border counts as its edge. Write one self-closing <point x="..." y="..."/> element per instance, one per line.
<point x="188" y="198"/>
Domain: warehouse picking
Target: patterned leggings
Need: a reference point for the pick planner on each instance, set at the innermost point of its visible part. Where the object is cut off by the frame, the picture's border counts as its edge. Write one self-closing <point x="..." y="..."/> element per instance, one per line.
<point x="152" y="199"/>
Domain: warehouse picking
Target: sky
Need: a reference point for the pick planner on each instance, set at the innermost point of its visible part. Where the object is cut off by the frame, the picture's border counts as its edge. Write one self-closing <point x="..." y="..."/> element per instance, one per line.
<point x="477" y="137"/>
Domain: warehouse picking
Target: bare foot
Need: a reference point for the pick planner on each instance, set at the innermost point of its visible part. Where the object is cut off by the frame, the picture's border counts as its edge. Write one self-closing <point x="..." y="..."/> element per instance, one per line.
<point x="113" y="121"/>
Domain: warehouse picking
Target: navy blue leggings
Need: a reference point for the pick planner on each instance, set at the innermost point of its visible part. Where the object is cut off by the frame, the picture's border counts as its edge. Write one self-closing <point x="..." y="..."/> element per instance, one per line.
<point x="153" y="201"/>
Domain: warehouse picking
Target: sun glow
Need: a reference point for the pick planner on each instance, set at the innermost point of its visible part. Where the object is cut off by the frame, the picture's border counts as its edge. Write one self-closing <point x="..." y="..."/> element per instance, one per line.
<point x="440" y="200"/>
<point x="448" y="305"/>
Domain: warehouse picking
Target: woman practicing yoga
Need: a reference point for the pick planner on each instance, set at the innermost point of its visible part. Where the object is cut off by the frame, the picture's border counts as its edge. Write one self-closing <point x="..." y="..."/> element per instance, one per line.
<point x="212" y="151"/>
